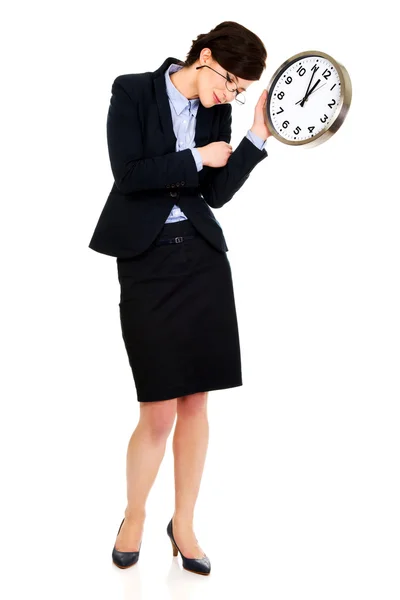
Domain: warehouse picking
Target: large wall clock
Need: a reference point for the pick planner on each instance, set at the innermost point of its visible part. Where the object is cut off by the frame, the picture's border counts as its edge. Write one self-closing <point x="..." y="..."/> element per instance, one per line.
<point x="308" y="98"/>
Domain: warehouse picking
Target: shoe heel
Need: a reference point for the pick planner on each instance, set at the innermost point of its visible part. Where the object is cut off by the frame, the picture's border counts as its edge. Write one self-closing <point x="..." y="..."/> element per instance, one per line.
<point x="174" y="549"/>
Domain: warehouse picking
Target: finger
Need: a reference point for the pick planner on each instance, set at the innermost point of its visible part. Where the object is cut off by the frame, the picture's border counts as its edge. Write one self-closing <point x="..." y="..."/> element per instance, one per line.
<point x="263" y="97"/>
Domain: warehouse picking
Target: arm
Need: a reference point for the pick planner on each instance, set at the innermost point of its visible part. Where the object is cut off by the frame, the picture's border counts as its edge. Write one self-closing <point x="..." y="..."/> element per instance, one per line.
<point x="219" y="185"/>
<point x="259" y="142"/>
<point x="197" y="158"/>
<point x="131" y="172"/>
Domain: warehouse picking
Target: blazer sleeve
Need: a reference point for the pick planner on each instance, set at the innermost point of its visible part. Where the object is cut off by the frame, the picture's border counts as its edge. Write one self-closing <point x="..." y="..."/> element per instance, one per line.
<point x="132" y="172"/>
<point x="219" y="185"/>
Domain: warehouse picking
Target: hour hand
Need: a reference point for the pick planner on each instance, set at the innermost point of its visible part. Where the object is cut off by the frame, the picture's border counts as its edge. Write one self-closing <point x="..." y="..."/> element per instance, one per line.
<point x="309" y="93"/>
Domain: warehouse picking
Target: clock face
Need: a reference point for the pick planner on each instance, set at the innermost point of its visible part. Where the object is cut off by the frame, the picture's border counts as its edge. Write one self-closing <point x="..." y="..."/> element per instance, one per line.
<point x="304" y="98"/>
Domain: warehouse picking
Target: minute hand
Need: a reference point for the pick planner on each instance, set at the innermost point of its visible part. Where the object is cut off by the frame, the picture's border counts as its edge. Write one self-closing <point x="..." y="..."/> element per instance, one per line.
<point x="309" y="92"/>
<point x="308" y="87"/>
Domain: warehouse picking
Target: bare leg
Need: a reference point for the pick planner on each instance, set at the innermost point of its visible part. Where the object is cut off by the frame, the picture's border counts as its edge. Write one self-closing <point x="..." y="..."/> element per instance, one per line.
<point x="145" y="452"/>
<point x="190" y="445"/>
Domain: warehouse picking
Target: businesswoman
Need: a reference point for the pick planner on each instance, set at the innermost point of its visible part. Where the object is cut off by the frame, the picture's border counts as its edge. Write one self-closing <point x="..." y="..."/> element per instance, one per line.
<point x="168" y="134"/>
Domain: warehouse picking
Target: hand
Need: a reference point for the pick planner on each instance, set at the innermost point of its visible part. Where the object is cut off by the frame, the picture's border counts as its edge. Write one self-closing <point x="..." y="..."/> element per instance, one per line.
<point x="260" y="120"/>
<point x="215" y="154"/>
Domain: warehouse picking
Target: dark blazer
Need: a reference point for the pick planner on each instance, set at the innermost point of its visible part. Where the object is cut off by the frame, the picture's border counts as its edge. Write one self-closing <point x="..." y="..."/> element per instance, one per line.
<point x="150" y="176"/>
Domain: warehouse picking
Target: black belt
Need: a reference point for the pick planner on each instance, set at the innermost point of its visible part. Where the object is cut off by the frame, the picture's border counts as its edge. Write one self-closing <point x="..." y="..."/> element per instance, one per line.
<point x="174" y="240"/>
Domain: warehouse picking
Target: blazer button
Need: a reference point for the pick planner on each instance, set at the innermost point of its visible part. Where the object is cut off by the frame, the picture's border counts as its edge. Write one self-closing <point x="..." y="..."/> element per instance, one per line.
<point x="174" y="194"/>
<point x="182" y="183"/>
<point x="178" y="184"/>
<point x="167" y="185"/>
<point x="172" y="185"/>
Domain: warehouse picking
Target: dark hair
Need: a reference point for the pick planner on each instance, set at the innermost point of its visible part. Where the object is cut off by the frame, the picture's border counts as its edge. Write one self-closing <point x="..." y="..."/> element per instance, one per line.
<point x="234" y="47"/>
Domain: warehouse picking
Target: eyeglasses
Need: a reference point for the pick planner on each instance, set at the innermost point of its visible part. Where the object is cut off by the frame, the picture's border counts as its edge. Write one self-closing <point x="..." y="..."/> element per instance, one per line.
<point x="240" y="97"/>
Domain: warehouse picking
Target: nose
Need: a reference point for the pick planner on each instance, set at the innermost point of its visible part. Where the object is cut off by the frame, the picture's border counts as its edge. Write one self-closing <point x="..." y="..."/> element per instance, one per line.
<point x="223" y="97"/>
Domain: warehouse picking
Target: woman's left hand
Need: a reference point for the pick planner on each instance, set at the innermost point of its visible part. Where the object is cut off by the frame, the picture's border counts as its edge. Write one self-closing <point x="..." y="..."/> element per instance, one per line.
<point x="259" y="126"/>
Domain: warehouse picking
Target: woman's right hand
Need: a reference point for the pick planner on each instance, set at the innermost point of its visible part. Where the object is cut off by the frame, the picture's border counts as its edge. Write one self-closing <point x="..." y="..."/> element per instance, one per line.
<point x="215" y="154"/>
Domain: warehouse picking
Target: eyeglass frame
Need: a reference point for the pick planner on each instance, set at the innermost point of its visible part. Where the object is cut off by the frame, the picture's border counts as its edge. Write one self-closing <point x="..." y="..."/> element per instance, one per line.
<point x="227" y="80"/>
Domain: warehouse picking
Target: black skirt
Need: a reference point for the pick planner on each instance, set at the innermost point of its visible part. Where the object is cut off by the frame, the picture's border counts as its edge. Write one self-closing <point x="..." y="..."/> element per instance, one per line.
<point x="178" y="317"/>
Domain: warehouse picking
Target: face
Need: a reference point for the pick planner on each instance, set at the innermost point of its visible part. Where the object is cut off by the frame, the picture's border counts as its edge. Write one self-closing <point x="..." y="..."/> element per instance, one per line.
<point x="211" y="86"/>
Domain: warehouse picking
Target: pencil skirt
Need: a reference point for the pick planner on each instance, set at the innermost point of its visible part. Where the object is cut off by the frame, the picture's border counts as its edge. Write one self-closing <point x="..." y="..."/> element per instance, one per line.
<point x="178" y="317"/>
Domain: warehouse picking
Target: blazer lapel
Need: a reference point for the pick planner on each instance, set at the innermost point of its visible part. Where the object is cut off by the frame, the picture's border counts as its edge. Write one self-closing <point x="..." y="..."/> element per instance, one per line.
<point x="204" y="115"/>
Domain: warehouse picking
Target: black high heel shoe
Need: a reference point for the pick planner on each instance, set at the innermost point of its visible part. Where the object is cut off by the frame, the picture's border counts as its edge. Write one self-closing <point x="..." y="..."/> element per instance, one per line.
<point x="123" y="560"/>
<point x="202" y="566"/>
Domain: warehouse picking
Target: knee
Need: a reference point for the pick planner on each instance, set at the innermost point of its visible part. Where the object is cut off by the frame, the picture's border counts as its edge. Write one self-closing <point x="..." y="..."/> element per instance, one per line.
<point x="192" y="405"/>
<point x="158" y="418"/>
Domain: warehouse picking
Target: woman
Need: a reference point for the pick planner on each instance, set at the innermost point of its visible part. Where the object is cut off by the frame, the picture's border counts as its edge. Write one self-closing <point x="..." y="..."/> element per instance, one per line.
<point x="168" y="136"/>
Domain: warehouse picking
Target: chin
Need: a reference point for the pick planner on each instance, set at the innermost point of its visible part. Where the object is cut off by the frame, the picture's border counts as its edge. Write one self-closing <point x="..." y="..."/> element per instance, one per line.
<point x="209" y="103"/>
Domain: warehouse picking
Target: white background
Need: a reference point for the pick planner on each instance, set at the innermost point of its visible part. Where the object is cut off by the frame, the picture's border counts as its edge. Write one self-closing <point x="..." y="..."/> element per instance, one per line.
<point x="300" y="493"/>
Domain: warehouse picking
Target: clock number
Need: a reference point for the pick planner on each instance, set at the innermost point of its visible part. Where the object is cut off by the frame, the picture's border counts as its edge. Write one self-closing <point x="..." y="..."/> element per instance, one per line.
<point x="280" y="95"/>
<point x="326" y="73"/>
<point x="297" y="130"/>
<point x="285" y="124"/>
<point x="323" y="120"/>
<point x="311" y="129"/>
<point x="333" y="103"/>
<point x="280" y="111"/>
<point x="288" y="80"/>
<point x="301" y="70"/>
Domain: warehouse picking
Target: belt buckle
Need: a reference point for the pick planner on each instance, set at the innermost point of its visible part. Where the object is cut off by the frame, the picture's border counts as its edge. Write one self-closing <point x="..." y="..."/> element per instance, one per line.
<point x="178" y="240"/>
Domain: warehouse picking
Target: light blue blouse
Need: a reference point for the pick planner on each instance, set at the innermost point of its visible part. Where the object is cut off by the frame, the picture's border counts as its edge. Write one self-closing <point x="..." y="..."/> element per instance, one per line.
<point x="183" y="112"/>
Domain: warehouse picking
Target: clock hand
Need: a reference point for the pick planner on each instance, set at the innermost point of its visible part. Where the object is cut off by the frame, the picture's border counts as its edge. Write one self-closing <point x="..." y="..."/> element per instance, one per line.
<point x="313" y="87"/>
<point x="319" y="87"/>
<point x="303" y="100"/>
<point x="310" y="92"/>
<point x="308" y="87"/>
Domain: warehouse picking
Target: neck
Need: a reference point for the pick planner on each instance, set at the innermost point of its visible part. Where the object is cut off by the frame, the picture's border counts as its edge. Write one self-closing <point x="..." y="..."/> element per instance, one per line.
<point x="185" y="81"/>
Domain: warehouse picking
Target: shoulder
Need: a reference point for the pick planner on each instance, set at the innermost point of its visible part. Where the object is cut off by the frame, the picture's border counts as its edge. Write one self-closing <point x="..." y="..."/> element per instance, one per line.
<point x="226" y="114"/>
<point x="226" y="117"/>
<point x="135" y="85"/>
<point x="228" y="110"/>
